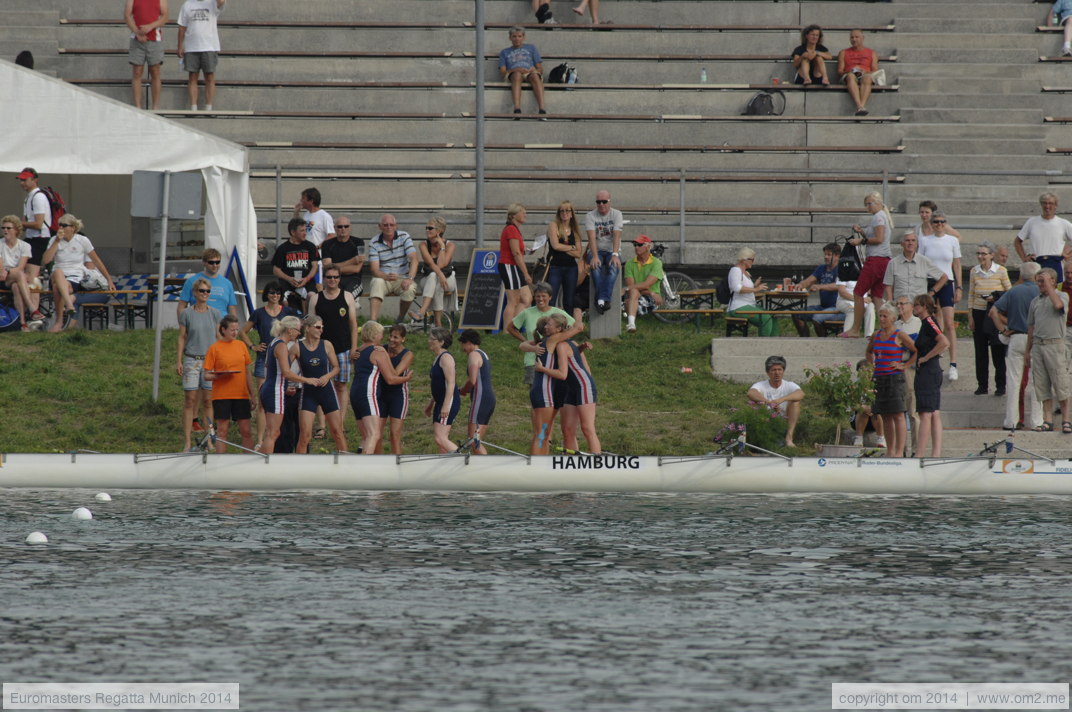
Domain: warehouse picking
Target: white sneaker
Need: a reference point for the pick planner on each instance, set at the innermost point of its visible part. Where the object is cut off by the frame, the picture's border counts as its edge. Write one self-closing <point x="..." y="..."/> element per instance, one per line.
<point x="1066" y="51"/>
<point x="880" y="441"/>
<point x="953" y="375"/>
<point x="858" y="441"/>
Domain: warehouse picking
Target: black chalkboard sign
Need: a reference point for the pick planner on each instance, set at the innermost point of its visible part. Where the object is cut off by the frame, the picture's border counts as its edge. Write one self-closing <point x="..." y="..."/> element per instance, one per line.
<point x="483" y="292"/>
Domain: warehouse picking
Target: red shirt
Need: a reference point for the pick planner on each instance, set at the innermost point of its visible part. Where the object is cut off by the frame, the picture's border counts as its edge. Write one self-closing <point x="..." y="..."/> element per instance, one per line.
<point x="862" y="58"/>
<point x="145" y="12"/>
<point x="510" y="232"/>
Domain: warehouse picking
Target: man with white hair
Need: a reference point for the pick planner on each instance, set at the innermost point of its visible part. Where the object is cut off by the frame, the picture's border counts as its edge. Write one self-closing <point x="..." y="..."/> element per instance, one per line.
<point x="1010" y="316"/>
<point x="1046" y="349"/>
<point x="1045" y="239"/>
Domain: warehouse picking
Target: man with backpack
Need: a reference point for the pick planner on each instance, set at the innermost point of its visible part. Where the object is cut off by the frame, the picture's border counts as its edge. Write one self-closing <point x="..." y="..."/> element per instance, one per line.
<point x="37" y="223"/>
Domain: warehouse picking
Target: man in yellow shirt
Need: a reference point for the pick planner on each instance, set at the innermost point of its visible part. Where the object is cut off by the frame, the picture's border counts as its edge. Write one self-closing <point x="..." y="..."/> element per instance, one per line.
<point x="643" y="282"/>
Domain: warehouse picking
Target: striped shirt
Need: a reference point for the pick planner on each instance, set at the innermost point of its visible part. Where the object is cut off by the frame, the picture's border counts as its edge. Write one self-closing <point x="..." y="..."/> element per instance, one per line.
<point x="981" y="284"/>
<point x="393" y="258"/>
<point x="887" y="352"/>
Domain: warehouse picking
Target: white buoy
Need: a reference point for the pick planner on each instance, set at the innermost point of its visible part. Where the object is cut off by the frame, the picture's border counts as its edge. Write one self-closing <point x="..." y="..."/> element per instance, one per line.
<point x="36" y="538"/>
<point x="103" y="497"/>
<point x="82" y="513"/>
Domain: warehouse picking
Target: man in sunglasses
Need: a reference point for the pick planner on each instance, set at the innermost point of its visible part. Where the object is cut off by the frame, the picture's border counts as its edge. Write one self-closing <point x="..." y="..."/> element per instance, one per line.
<point x="344" y="251"/>
<point x="643" y="282"/>
<point x="604" y="228"/>
<point x="222" y="298"/>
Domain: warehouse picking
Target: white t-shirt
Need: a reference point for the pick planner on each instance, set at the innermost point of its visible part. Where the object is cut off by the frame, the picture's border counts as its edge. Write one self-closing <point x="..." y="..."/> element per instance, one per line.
<point x="72" y="255"/>
<point x="604" y="226"/>
<point x="883" y="249"/>
<point x="13" y="255"/>
<point x="941" y="251"/>
<point x="771" y="393"/>
<point x="37" y="204"/>
<point x="738" y="278"/>
<point x="318" y="226"/>
<point x="1045" y="238"/>
<point x="199" y="19"/>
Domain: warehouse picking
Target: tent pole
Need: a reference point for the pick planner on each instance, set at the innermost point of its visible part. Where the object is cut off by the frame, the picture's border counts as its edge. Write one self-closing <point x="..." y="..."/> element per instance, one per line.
<point x="160" y="286"/>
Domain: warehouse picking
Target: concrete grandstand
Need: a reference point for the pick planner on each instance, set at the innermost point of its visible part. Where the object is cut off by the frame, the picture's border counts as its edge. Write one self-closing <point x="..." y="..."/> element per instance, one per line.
<point x="374" y="103"/>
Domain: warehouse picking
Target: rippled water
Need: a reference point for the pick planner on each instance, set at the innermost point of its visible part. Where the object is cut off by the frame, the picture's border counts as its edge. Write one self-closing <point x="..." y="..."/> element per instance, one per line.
<point x="556" y="602"/>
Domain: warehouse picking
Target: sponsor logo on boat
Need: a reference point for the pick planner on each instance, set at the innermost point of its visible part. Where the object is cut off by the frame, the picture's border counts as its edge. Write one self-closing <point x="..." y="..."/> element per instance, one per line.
<point x="595" y="462"/>
<point x="1018" y="467"/>
<point x="883" y="463"/>
<point x="824" y="461"/>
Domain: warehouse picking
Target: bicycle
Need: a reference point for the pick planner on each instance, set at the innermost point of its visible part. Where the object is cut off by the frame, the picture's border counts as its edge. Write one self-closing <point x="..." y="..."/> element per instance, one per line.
<point x="673" y="284"/>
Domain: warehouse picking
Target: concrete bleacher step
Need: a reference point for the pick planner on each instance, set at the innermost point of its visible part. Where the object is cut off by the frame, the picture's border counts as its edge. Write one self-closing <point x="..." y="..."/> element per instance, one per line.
<point x="1003" y="101"/>
<point x="958" y="115"/>
<point x="914" y="83"/>
<point x="1000" y="31"/>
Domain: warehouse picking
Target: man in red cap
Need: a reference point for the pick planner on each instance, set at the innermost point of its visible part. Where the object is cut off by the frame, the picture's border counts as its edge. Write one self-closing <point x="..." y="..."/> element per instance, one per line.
<point x="36" y="217"/>
<point x="643" y="282"/>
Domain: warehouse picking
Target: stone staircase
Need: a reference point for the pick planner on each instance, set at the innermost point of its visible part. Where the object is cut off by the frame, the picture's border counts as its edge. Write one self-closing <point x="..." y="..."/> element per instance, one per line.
<point x="971" y="100"/>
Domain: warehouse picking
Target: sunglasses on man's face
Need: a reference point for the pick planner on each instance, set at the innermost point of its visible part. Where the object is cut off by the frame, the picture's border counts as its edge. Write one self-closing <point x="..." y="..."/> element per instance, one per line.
<point x="212" y="262"/>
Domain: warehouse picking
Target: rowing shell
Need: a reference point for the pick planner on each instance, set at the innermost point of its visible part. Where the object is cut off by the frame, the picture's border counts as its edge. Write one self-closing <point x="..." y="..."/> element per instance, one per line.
<point x="557" y="473"/>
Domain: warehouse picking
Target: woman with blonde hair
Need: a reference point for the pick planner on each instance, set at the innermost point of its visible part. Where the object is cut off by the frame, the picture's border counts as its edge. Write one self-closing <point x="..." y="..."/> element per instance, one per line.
<point x="71" y="250"/>
<point x="512" y="270"/>
<point x="437" y="254"/>
<point x="276" y="376"/>
<point x="744" y="291"/>
<point x="876" y="236"/>
<point x="14" y="256"/>
<point x="320" y="364"/>
<point x="564" y="241"/>
<point x="372" y="368"/>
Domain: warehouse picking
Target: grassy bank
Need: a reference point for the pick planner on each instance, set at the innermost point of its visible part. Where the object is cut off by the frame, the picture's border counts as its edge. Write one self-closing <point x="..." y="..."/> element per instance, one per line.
<point x="91" y="390"/>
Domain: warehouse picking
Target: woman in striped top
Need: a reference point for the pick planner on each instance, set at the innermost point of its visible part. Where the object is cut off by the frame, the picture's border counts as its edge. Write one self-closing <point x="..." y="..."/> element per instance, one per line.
<point x="986" y="278"/>
<point x="887" y="350"/>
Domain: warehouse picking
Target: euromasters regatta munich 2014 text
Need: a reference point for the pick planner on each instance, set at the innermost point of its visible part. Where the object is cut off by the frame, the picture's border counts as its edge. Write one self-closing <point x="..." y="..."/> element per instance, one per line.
<point x="101" y="698"/>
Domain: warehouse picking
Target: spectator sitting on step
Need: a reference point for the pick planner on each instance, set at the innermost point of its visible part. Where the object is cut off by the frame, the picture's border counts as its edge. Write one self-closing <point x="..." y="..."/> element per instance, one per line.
<point x="856" y="66"/>
<point x="393" y="264"/>
<point x="643" y="282"/>
<point x="778" y="394"/>
<point x="744" y="293"/>
<point x="296" y="262"/>
<point x="14" y="256"/>
<point x="809" y="58"/>
<point x="522" y="62"/>
<point x="824" y="281"/>
<point x="862" y="420"/>
<point x="437" y="255"/>
<point x="1062" y="11"/>
<point x="70" y="249"/>
<point x="344" y="251"/>
<point x="593" y="8"/>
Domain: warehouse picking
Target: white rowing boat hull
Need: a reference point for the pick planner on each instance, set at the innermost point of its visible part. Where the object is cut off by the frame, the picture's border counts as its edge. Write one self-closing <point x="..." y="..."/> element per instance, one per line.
<point x="538" y="474"/>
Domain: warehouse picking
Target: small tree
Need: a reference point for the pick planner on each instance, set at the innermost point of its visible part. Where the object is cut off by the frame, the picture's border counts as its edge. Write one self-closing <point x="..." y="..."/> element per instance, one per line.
<point x="840" y="391"/>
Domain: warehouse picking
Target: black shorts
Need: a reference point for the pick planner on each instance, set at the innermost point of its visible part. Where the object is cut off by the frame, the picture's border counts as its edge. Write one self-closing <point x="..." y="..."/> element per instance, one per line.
<point x="38" y="246"/>
<point x="929" y="387"/>
<point x="510" y="276"/>
<point x="232" y="409"/>
<point x="889" y="394"/>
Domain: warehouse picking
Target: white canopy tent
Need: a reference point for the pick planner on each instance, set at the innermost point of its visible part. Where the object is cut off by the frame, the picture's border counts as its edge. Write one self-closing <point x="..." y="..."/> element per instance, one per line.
<point x="77" y="132"/>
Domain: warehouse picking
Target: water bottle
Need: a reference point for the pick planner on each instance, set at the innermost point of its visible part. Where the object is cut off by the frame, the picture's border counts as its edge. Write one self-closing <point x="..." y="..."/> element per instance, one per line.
<point x="703" y="75"/>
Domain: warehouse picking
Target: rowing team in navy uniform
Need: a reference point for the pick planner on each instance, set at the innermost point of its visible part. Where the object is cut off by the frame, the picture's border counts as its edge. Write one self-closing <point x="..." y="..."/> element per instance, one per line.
<point x="379" y="392"/>
<point x="562" y="383"/>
